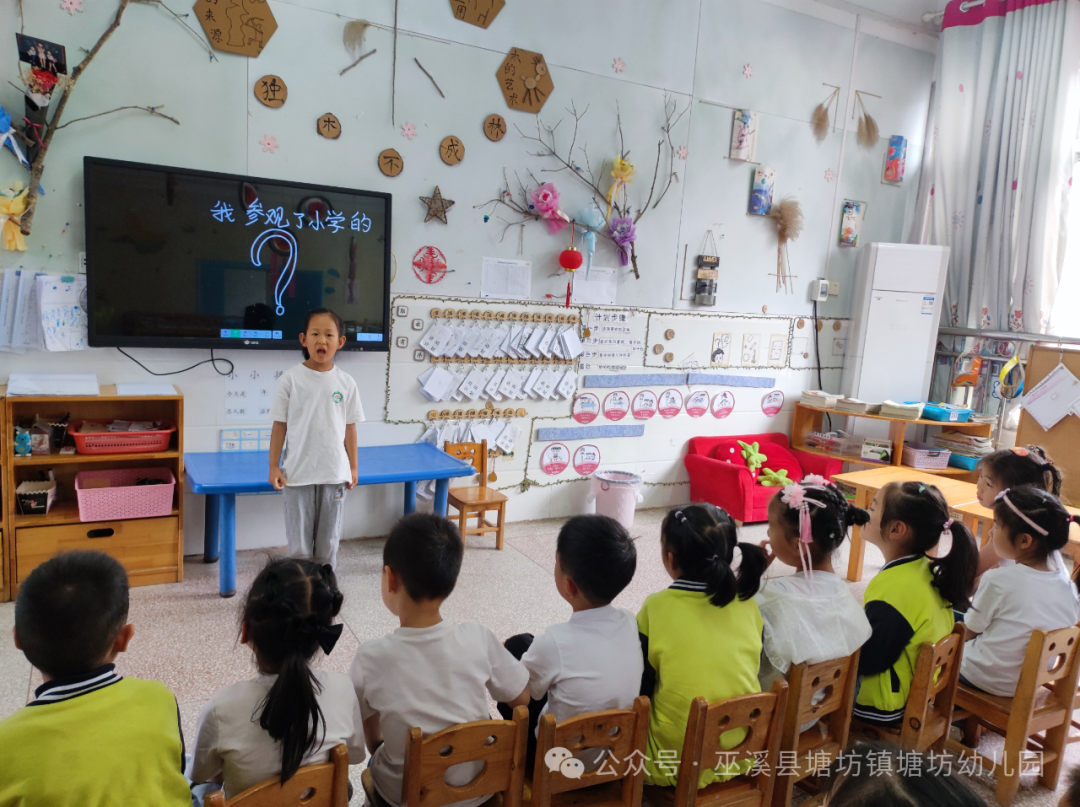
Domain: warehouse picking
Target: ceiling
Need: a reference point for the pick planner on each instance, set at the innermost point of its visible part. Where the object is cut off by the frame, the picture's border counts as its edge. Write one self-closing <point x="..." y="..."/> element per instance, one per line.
<point x="906" y="11"/>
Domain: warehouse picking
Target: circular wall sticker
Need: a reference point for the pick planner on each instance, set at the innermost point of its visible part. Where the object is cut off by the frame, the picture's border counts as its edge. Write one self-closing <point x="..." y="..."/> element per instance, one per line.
<point x="670" y="403"/>
<point x="644" y="405"/>
<point x="554" y="459"/>
<point x="586" y="408"/>
<point x="722" y="404"/>
<point x="698" y="403"/>
<point x="586" y="459"/>
<point x="616" y="405"/>
<point x="772" y="403"/>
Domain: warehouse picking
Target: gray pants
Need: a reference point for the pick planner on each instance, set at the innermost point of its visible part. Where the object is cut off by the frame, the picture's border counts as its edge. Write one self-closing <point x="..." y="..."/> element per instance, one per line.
<point x="313" y="515"/>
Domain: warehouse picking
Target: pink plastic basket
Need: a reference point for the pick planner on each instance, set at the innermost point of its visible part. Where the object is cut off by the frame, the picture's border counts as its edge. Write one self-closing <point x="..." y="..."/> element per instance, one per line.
<point x="120" y="442"/>
<point x="125" y="499"/>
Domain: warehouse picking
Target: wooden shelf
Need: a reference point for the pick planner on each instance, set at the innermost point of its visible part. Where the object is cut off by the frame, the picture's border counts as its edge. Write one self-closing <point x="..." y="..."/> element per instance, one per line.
<point x="919" y="422"/>
<point x="857" y="460"/>
<point x="62" y="512"/>
<point x="63" y="459"/>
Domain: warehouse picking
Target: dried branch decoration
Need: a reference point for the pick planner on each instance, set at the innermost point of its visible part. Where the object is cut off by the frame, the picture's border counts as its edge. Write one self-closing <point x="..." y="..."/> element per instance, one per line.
<point x="617" y="173"/>
<point x="788" y="215"/>
<point x="819" y="120"/>
<point x="868" y="129"/>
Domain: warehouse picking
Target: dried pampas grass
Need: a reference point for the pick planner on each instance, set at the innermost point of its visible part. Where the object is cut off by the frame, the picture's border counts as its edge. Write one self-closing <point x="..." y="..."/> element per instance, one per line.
<point x="868" y="133"/>
<point x="789" y="223"/>
<point x="353" y="36"/>
<point x="819" y="120"/>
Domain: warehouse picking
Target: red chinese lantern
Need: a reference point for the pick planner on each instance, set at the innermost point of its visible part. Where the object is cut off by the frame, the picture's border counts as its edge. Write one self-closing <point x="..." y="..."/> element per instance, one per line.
<point x="571" y="259"/>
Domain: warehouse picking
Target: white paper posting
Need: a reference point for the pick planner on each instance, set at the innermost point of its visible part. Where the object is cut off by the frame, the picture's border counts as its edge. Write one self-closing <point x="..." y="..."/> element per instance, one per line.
<point x="436" y="339"/>
<point x="33" y="335"/>
<point x="545" y="344"/>
<point x="492" y="387"/>
<point x="455" y="381"/>
<point x="571" y="344"/>
<point x="568" y="385"/>
<point x="530" y="382"/>
<point x="63" y="315"/>
<point x="505" y="279"/>
<point x="598" y="289"/>
<point x="522" y="340"/>
<point x="145" y="388"/>
<point x="473" y="385"/>
<point x="24" y="315"/>
<point x="437" y="385"/>
<point x="509" y="346"/>
<point x="53" y="384"/>
<point x="533" y="345"/>
<point x="8" y="296"/>
<point x="495" y="338"/>
<point x="454" y="341"/>
<point x="1052" y="398"/>
<point x="545" y="386"/>
<point x="511" y="383"/>
<point x="459" y="379"/>
<point x="248" y="395"/>
<point x="475" y="341"/>
<point x="507" y="438"/>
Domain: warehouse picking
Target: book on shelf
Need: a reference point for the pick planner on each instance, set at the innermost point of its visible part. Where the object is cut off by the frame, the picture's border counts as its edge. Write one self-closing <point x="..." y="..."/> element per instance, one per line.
<point x="857" y="407"/>
<point x="902" y="411"/>
<point x="825" y="400"/>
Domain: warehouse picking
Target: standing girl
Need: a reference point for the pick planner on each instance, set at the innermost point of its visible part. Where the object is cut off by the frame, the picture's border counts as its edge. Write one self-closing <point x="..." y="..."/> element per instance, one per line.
<point x="1011" y="468"/>
<point x="290" y="715"/>
<point x="701" y="637"/>
<point x="317" y="407"/>
<point x="811" y="616"/>
<point x="1030" y="526"/>
<point x="911" y="600"/>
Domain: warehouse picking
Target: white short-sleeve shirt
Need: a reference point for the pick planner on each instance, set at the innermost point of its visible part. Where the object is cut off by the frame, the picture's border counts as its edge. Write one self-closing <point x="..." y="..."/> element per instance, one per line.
<point x="315" y="408"/>
<point x="430" y="678"/>
<point x="230" y="741"/>
<point x="1010" y="603"/>
<point x="591" y="663"/>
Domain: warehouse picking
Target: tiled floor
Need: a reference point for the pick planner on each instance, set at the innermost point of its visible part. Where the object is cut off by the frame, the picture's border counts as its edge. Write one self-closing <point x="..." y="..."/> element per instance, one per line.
<point x="186" y="635"/>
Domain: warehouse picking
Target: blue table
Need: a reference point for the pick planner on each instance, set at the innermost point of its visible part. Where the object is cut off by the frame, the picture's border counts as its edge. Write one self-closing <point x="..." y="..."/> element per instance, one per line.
<point x="223" y="475"/>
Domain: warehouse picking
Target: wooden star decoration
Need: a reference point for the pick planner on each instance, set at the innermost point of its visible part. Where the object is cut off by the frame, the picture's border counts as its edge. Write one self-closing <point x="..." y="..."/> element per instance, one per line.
<point x="437" y="206"/>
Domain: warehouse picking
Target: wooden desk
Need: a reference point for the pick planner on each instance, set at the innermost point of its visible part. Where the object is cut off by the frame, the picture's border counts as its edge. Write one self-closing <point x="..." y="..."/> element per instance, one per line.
<point x="974" y="514"/>
<point x="868" y="483"/>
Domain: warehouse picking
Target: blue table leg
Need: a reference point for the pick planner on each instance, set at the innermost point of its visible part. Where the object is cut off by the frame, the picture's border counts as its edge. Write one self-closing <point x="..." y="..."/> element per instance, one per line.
<point x="410" y="497"/>
<point x="442" y="491"/>
<point x="227" y="585"/>
<point x="212" y="530"/>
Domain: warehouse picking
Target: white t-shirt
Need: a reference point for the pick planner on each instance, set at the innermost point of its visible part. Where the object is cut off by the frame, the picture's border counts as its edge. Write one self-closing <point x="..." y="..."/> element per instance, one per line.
<point x="1010" y="603"/>
<point x="430" y="678"/>
<point x="807" y="621"/>
<point x="315" y="408"/>
<point x="1056" y="561"/>
<point x="229" y="739"/>
<point x="591" y="663"/>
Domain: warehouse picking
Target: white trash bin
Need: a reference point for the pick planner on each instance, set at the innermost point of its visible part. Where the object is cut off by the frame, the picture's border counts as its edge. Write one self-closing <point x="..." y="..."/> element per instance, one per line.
<point x="617" y="495"/>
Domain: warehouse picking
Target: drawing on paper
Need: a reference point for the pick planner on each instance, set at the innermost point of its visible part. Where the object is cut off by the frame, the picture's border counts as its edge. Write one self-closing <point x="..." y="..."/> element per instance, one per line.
<point x="286" y="276"/>
<point x="761" y="195"/>
<point x="744" y="130"/>
<point x="721" y="350"/>
<point x="851" y="223"/>
<point x="895" y="158"/>
<point x="777" y="348"/>
<point x="750" y="343"/>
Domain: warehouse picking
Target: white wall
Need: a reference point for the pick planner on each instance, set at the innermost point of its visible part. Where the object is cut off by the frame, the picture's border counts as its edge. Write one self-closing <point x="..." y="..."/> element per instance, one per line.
<point x="690" y="50"/>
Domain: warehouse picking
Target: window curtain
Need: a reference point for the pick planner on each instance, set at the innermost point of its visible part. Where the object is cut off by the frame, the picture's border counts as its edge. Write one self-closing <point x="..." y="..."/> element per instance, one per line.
<point x="1001" y="147"/>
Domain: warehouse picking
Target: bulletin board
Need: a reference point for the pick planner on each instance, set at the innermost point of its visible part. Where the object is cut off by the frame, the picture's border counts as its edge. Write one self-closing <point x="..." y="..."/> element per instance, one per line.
<point x="1062" y="443"/>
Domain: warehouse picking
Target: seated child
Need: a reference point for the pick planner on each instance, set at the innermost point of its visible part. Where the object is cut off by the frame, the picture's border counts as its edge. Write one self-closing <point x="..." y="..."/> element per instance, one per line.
<point x="1030" y="525"/>
<point x="700" y="637"/>
<point x="911" y="600"/>
<point x="593" y="662"/>
<point x="1011" y="468"/>
<point x="1072" y="789"/>
<point x="90" y="736"/>
<point x="428" y="673"/>
<point x="813" y="616"/>
<point x="290" y="715"/>
<point x="882" y="775"/>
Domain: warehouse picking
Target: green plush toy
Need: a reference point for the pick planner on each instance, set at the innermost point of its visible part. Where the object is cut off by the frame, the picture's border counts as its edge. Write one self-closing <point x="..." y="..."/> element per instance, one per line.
<point x="774" y="479"/>
<point x="754" y="458"/>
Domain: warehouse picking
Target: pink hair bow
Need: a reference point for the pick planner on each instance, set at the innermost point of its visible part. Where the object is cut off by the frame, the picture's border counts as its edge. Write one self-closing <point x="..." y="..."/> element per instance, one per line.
<point x="794" y="496"/>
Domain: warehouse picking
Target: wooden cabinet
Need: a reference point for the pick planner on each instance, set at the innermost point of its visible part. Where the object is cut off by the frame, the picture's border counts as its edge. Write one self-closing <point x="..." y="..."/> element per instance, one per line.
<point x="151" y="549"/>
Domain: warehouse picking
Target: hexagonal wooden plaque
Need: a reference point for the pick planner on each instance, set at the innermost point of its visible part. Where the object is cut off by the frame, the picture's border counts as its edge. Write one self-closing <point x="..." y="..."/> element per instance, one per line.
<point x="525" y="80"/>
<point x="237" y="26"/>
<point x="477" y="12"/>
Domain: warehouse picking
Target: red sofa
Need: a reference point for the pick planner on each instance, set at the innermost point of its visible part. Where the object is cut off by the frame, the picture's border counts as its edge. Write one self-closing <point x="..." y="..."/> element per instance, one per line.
<point x="718" y="473"/>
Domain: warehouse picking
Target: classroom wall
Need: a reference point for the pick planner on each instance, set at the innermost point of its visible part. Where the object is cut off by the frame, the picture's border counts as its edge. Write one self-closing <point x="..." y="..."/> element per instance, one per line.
<point x="690" y="53"/>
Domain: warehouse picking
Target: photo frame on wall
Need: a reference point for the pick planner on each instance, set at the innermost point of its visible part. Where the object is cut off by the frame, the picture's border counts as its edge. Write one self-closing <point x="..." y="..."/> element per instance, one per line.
<point x="895" y="159"/>
<point x="744" y="132"/>
<point x="851" y="221"/>
<point x="761" y="194"/>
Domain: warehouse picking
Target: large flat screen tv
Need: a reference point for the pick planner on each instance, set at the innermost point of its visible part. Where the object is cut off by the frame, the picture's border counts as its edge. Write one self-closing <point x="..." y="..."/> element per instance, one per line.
<point x="182" y="258"/>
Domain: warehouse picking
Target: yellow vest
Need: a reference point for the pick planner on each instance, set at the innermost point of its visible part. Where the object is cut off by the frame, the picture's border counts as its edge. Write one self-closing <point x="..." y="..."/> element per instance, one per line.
<point x="119" y="745"/>
<point x="697" y="650"/>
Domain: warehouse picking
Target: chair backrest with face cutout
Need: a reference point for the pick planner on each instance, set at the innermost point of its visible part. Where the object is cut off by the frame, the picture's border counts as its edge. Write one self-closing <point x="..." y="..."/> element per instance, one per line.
<point x="474" y="453"/>
<point x="323" y="785"/>
<point x="928" y="714"/>
<point x="499" y="744"/>
<point x="1052" y="661"/>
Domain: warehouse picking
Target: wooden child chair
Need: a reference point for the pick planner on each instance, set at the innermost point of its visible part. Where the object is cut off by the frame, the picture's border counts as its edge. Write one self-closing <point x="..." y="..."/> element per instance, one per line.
<point x="323" y="785"/>
<point x="1043" y="704"/>
<point x="617" y="781"/>
<point x="929" y="711"/>
<point x="817" y="747"/>
<point x="476" y="500"/>
<point x="761" y="714"/>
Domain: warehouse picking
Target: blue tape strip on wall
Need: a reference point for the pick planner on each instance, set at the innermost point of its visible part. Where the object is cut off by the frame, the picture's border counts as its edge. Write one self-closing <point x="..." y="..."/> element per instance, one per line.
<point x="723" y="380"/>
<point x="636" y="380"/>
<point x="589" y="432"/>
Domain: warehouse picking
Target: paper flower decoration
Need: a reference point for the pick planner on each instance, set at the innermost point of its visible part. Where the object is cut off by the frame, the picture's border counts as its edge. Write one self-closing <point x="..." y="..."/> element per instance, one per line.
<point x="683" y="152"/>
<point x="623" y="173"/>
<point x="269" y="143"/>
<point x="71" y="6"/>
<point x="619" y="65"/>
<point x="8" y="137"/>
<point x="591" y="217"/>
<point x="829" y="175"/>
<point x="622" y="233"/>
<point x="408" y="130"/>
<point x="12" y="207"/>
<point x="748" y="70"/>
<point x="545" y="201"/>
